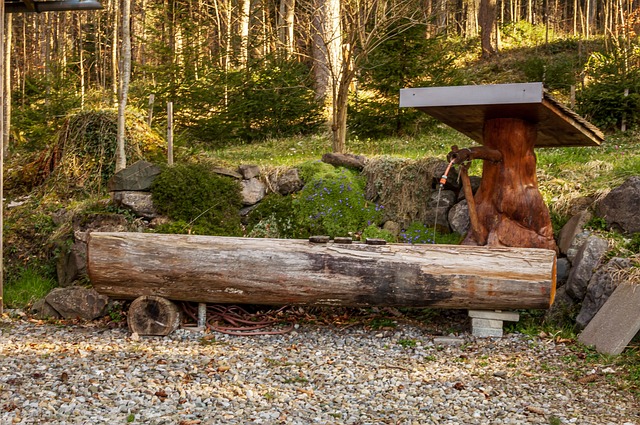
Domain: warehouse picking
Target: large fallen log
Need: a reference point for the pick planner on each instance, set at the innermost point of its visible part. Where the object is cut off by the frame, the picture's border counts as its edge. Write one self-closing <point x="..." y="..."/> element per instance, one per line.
<point x="211" y="269"/>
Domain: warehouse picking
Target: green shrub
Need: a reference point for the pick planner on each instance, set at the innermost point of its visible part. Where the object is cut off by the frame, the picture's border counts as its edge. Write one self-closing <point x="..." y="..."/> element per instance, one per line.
<point x="375" y="232"/>
<point x="274" y="217"/>
<point x="198" y="200"/>
<point x="556" y="74"/>
<point x="333" y="203"/>
<point x="273" y="98"/>
<point x="419" y="233"/>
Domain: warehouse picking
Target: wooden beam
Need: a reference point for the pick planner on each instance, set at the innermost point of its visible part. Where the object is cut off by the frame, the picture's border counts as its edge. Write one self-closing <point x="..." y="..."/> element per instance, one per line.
<point x="216" y="269"/>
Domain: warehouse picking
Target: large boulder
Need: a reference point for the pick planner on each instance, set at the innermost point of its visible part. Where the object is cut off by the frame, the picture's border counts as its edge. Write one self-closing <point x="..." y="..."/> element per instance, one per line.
<point x="586" y="261"/>
<point x="601" y="286"/>
<point x="138" y="176"/>
<point x="620" y="207"/>
<point x="439" y="204"/>
<point x="78" y="302"/>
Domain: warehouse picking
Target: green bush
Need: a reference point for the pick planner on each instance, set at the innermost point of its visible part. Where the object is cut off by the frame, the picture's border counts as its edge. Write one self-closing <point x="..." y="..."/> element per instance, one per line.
<point x="406" y="58"/>
<point x="419" y="233"/>
<point x="273" y="98"/>
<point x="198" y="200"/>
<point x="603" y="101"/>
<point x="333" y="203"/>
<point x="375" y="232"/>
<point x="274" y="217"/>
<point x="556" y="74"/>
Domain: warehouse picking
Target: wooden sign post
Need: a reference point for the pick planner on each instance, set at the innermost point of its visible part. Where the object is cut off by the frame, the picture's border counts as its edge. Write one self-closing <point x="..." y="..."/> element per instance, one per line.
<point x="508" y="120"/>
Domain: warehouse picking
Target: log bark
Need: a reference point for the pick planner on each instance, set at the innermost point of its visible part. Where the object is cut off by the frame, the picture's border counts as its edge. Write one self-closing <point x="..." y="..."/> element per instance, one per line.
<point x="152" y="315"/>
<point x="278" y="272"/>
<point x="344" y="160"/>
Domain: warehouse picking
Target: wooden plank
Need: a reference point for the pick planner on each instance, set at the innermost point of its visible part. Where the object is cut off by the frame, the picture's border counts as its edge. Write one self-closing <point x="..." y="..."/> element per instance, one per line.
<point x="558" y="126"/>
<point x="617" y="321"/>
<point x="217" y="269"/>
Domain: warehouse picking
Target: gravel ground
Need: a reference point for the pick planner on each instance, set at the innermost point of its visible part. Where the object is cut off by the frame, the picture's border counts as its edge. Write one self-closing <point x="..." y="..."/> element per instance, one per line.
<point x="90" y="374"/>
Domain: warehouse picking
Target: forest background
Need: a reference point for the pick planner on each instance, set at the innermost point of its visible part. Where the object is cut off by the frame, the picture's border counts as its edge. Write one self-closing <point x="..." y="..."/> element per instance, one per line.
<point x="241" y="71"/>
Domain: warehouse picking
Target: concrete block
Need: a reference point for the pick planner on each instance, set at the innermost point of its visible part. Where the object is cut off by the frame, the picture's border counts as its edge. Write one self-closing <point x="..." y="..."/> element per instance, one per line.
<point x="448" y="340"/>
<point x="508" y="316"/>
<point x="487" y="332"/>
<point x="486" y="323"/>
<point x="617" y="322"/>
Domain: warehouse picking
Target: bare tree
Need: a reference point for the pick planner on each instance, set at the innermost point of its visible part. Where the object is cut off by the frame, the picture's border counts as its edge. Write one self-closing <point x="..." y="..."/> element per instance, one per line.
<point x="366" y="24"/>
<point x="125" y="74"/>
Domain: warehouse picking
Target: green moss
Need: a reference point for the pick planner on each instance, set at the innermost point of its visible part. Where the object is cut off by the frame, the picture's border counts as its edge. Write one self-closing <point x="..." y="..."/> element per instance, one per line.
<point x="333" y="203"/>
<point x="198" y="200"/>
<point x="310" y="169"/>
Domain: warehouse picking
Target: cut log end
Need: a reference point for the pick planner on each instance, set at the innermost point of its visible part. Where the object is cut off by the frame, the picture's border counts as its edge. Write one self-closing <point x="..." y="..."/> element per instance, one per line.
<point x="153" y="315"/>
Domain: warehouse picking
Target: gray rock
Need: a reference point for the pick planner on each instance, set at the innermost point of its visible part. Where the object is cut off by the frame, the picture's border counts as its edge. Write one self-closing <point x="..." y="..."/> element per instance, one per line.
<point x="459" y="218"/>
<point x="563" y="307"/>
<point x="78" y="302"/>
<point x="43" y="310"/>
<point x="83" y="224"/>
<point x="601" y="286"/>
<point x="253" y="190"/>
<point x="475" y="184"/>
<point x="585" y="263"/>
<point x="452" y="180"/>
<point x="138" y="176"/>
<point x="574" y="226"/>
<point x="249" y="171"/>
<point x="392" y="227"/>
<point x="289" y="182"/>
<point x="72" y="265"/>
<point x="227" y="172"/>
<point x="563" y="267"/>
<point x="577" y="243"/>
<point x="620" y="207"/>
<point x="139" y="203"/>
<point x="437" y="212"/>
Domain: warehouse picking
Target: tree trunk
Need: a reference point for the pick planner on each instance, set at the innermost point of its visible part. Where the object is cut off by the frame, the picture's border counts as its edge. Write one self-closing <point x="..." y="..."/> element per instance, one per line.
<point x="245" y="13"/>
<point x="125" y="74"/>
<point x="327" y="47"/>
<point x="6" y="133"/>
<point x="486" y="18"/>
<point x="508" y="203"/>
<point x="282" y="271"/>
<point x="114" y="53"/>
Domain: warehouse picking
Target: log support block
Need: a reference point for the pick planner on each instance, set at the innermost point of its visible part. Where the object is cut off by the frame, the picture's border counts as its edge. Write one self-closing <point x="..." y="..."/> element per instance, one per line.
<point x="487" y="324"/>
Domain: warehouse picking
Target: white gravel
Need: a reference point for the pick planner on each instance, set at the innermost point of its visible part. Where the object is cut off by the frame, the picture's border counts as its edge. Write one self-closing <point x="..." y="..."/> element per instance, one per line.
<point x="87" y="374"/>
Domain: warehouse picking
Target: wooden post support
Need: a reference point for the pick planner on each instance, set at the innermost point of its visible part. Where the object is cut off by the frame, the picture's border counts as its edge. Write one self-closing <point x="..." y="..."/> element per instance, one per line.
<point x="215" y="269"/>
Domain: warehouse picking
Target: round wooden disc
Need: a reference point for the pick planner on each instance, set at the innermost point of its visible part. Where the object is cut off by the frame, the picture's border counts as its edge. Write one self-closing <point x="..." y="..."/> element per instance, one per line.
<point x="153" y="315"/>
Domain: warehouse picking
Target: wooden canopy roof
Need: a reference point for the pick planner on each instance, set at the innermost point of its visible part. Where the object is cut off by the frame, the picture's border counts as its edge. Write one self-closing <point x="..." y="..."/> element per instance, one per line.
<point x="466" y="108"/>
<point x="32" y="6"/>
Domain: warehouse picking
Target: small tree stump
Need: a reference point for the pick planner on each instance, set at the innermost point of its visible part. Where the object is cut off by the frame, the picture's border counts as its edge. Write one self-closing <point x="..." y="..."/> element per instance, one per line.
<point x="153" y="315"/>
